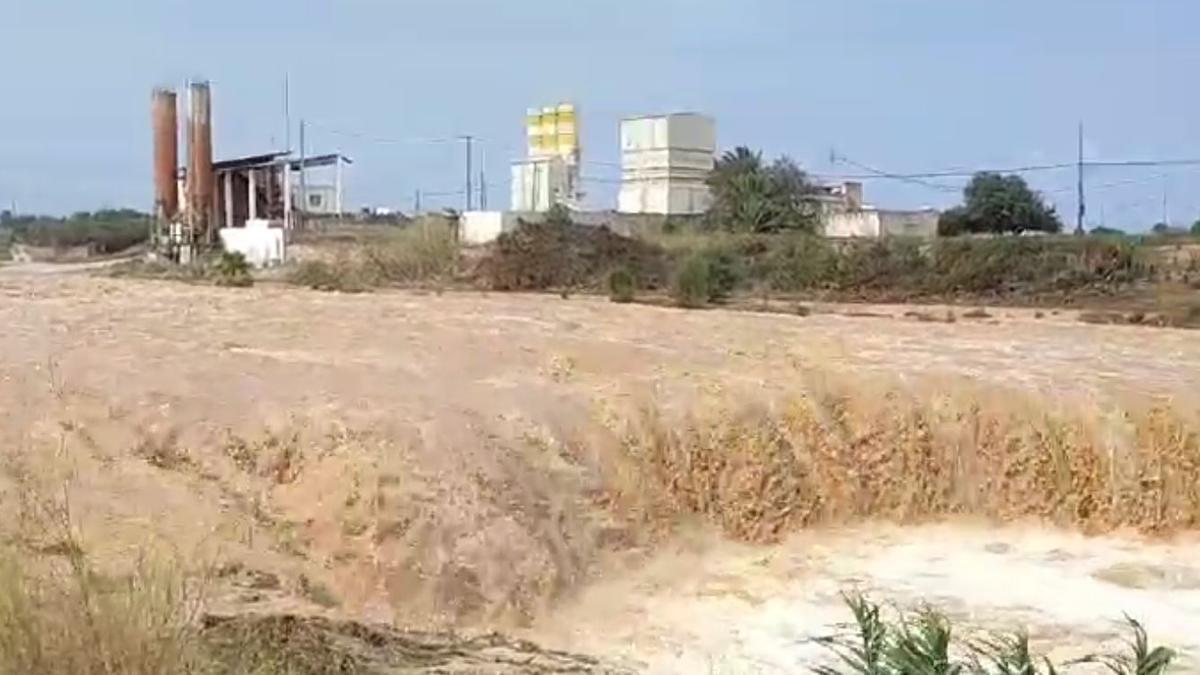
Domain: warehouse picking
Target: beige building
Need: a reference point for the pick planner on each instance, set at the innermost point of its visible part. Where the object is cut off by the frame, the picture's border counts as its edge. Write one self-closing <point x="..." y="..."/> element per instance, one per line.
<point x="845" y="214"/>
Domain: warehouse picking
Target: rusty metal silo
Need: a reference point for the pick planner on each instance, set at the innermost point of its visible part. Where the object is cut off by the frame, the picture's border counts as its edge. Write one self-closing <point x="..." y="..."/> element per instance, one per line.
<point x="201" y="181"/>
<point x="165" y="120"/>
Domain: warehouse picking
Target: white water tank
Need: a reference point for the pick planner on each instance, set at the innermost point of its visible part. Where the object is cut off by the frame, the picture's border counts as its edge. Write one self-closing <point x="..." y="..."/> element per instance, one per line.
<point x="665" y="162"/>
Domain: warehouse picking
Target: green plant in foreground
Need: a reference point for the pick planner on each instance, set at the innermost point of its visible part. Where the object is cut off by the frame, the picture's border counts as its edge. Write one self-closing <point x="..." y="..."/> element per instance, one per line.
<point x="621" y="285"/>
<point x="233" y="270"/>
<point x="692" y="286"/>
<point x="1141" y="659"/>
<point x="923" y="645"/>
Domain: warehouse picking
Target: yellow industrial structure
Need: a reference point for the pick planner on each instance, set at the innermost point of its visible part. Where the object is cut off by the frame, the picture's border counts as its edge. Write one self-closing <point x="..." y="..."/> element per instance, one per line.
<point x="553" y="132"/>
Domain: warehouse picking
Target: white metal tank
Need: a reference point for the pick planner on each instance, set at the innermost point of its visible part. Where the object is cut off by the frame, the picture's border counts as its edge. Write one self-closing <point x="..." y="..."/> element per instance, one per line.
<point x="665" y="162"/>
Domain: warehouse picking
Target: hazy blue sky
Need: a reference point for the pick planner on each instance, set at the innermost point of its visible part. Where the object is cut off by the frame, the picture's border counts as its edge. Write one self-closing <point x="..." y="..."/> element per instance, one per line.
<point x="902" y="85"/>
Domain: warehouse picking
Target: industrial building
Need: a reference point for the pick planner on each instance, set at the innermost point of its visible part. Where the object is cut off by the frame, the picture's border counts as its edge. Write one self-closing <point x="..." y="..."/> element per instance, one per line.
<point x="665" y="163"/>
<point x="550" y="172"/>
<point x="845" y="214"/>
<point x="200" y="203"/>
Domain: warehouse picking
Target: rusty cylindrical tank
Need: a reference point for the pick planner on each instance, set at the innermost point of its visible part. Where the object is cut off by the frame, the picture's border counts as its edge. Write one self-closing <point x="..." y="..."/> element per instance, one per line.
<point x="201" y="180"/>
<point x="164" y="118"/>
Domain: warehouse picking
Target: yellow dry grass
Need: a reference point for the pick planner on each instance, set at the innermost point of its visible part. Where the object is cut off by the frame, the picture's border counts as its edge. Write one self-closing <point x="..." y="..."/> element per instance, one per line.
<point x="859" y="452"/>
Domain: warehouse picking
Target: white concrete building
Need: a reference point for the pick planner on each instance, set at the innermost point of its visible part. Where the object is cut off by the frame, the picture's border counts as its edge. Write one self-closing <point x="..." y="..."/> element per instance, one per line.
<point x="549" y="174"/>
<point x="665" y="162"/>
<point x="539" y="183"/>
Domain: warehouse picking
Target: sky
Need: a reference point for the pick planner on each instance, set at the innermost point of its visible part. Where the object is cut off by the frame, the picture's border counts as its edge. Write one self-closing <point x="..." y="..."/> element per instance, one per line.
<point x="899" y="86"/>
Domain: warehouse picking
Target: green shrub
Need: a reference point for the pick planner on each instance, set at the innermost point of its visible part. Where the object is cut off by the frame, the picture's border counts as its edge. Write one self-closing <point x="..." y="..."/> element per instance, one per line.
<point x="924" y="643"/>
<point x="798" y="263"/>
<point x="881" y="264"/>
<point x="622" y="285"/>
<point x="693" y="285"/>
<point x="724" y="273"/>
<point x="107" y="231"/>
<point x="233" y="270"/>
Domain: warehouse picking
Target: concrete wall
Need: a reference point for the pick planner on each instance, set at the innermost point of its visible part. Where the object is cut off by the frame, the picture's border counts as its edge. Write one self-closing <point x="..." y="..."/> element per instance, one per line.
<point x="872" y="222"/>
<point x="482" y="227"/>
<point x="844" y="224"/>
<point x="909" y="223"/>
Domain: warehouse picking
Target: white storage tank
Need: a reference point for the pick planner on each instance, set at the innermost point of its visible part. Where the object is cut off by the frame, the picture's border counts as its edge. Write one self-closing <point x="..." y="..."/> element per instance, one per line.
<point x="665" y="162"/>
<point x="538" y="184"/>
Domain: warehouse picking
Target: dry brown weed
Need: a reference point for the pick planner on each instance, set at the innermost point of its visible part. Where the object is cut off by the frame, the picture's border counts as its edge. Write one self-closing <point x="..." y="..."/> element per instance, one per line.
<point x="844" y="455"/>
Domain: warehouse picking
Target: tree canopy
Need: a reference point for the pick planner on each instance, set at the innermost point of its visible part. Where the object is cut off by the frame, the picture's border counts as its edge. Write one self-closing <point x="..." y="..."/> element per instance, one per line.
<point x="752" y="196"/>
<point x="996" y="203"/>
<point x="1196" y="227"/>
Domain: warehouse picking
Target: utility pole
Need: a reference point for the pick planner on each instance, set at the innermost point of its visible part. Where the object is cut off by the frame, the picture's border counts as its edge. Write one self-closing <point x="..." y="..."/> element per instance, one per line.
<point x="1082" y="200"/>
<point x="470" y="188"/>
<point x="417" y="202"/>
<point x="1166" y="217"/>
<point x="303" y="178"/>
<point x="482" y="179"/>
<point x="287" y="114"/>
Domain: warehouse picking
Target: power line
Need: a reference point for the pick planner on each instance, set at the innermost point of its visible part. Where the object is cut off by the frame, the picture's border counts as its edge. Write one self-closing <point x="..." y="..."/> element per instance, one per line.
<point x="384" y="140"/>
<point x="962" y="173"/>
<point x="878" y="173"/>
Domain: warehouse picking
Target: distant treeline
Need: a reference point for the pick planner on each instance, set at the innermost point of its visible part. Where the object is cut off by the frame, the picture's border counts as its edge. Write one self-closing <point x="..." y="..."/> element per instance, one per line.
<point x="106" y="230"/>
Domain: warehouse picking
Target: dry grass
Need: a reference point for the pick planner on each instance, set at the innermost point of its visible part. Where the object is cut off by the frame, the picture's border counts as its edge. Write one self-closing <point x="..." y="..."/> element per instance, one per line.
<point x="59" y="615"/>
<point x="425" y="252"/>
<point x="845" y="455"/>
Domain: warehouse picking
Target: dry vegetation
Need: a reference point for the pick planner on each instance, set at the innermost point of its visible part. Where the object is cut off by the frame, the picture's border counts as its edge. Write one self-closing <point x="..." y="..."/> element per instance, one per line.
<point x="492" y="516"/>
<point x="757" y="473"/>
<point x="421" y="254"/>
<point x="827" y="457"/>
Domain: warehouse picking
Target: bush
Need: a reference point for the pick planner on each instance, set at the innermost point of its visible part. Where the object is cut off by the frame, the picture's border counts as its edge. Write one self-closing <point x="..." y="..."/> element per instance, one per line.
<point x="103" y="231"/>
<point x="555" y="255"/>
<point x="924" y="642"/>
<point x="621" y="285"/>
<point x="341" y="275"/>
<point x="724" y="273"/>
<point x="233" y="270"/>
<point x="424" y="251"/>
<point x="693" y="285"/>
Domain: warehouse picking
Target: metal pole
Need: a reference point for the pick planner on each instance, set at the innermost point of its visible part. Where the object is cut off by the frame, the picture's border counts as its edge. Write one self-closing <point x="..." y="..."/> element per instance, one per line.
<point x="287" y="195"/>
<point x="1082" y="200"/>
<point x="228" y="187"/>
<point x="417" y="202"/>
<point x="287" y="114"/>
<point x="303" y="179"/>
<point x="252" y="200"/>
<point x="482" y="179"/>
<point x="470" y="188"/>
<point x="1166" y="217"/>
<point x="338" y="185"/>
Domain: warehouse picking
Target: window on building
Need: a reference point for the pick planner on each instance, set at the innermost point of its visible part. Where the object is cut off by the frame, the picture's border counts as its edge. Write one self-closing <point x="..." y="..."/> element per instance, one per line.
<point x="315" y="201"/>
